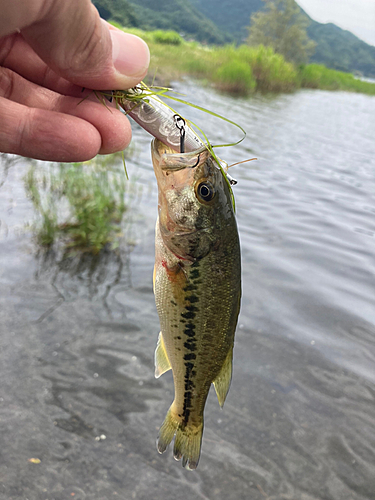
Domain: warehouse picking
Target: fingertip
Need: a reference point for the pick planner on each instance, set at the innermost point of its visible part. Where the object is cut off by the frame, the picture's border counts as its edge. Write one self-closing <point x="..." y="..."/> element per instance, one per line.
<point x="131" y="58"/>
<point x="116" y="141"/>
<point x="112" y="124"/>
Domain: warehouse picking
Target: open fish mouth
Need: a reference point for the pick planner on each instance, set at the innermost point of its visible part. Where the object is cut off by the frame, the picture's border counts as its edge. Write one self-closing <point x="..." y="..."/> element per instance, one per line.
<point x="169" y="160"/>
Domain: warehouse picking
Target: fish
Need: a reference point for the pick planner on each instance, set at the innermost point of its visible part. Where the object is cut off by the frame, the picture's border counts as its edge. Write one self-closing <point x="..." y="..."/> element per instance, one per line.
<point x="197" y="287"/>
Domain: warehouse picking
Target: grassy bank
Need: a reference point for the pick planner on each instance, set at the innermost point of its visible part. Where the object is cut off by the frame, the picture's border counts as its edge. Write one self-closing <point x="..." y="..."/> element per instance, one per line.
<point x="317" y="76"/>
<point x="240" y="69"/>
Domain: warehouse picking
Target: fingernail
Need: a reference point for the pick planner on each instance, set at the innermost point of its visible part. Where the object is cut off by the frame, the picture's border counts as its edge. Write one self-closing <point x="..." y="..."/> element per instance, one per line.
<point x="130" y="53"/>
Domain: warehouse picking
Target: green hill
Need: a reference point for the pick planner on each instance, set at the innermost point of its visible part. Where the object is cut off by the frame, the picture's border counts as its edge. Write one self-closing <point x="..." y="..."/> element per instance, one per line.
<point x="117" y="10"/>
<point x="225" y="21"/>
<point x="336" y="48"/>
<point x="178" y="15"/>
<point x="340" y="49"/>
<point x="230" y="15"/>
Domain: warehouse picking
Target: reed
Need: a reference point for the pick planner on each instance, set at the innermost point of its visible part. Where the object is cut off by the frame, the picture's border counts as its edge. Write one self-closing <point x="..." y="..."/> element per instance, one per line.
<point x="234" y="76"/>
<point x="317" y="76"/>
<point x="239" y="70"/>
<point x="80" y="204"/>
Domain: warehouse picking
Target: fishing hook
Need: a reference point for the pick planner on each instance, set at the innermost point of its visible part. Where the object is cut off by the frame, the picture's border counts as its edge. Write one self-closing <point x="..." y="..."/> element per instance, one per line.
<point x="181" y="128"/>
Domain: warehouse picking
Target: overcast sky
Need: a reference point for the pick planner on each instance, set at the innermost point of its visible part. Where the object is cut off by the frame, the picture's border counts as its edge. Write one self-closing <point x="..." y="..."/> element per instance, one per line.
<point x="357" y="16"/>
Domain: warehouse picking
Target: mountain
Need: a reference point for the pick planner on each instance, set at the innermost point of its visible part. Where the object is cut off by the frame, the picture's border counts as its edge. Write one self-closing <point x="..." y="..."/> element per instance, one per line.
<point x="340" y="49"/>
<point x="178" y="15"/>
<point x="336" y="48"/>
<point x="232" y="16"/>
<point x="117" y="10"/>
<point x="225" y="21"/>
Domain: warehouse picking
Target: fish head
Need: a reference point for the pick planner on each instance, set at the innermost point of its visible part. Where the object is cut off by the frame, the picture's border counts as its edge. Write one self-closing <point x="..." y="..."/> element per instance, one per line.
<point x="195" y="205"/>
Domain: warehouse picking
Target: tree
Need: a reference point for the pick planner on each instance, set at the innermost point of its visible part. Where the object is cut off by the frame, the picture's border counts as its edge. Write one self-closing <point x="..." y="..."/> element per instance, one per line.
<point x="283" y="27"/>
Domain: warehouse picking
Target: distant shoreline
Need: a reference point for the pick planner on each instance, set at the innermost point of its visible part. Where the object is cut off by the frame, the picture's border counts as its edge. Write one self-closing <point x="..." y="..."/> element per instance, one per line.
<point x="239" y="70"/>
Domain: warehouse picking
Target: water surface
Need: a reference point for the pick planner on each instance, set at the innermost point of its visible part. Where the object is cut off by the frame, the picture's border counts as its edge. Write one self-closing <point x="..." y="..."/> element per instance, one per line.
<point x="78" y="337"/>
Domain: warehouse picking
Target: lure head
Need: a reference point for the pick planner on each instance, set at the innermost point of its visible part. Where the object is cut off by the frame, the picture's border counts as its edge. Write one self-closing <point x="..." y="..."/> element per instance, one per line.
<point x="195" y="208"/>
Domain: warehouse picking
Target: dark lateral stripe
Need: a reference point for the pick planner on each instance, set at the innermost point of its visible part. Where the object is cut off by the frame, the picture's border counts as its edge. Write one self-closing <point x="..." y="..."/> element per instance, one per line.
<point x="189" y="328"/>
<point x="185" y="415"/>
<point x="187" y="406"/>
<point x="192" y="298"/>
<point x="187" y="398"/>
<point x="189" y="384"/>
<point x="189" y="369"/>
<point x="190" y="287"/>
<point x="189" y="356"/>
<point x="188" y="315"/>
<point x="194" y="274"/>
<point x="190" y="346"/>
<point x="191" y="308"/>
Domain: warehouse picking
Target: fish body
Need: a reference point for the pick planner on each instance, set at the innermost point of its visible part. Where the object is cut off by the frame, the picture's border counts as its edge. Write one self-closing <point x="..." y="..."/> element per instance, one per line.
<point x="197" y="286"/>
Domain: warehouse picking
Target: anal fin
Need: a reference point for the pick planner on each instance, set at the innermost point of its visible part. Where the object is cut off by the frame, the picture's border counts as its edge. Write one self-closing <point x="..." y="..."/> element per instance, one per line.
<point x="162" y="363"/>
<point x="222" y="381"/>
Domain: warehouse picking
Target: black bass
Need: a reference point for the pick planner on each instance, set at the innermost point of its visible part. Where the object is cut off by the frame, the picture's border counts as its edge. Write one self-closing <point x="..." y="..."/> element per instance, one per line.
<point x="197" y="286"/>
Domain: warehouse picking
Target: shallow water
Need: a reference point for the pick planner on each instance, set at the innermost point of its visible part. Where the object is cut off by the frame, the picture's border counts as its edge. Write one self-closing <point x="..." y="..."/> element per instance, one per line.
<point x="77" y="337"/>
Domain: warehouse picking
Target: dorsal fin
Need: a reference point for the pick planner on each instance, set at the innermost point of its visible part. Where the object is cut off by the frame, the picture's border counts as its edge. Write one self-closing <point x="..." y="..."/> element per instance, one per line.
<point x="222" y="381"/>
<point x="162" y="363"/>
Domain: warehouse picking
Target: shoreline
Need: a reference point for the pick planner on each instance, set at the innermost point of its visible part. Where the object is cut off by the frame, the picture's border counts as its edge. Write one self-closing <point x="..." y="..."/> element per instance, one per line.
<point x="240" y="70"/>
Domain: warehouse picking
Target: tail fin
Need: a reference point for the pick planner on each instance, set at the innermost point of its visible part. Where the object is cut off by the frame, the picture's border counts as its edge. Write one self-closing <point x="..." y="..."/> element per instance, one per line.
<point x="188" y="440"/>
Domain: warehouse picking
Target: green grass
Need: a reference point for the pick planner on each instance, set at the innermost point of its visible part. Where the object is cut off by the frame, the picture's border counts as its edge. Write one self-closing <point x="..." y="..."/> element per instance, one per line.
<point x="167" y="37"/>
<point x="240" y="70"/>
<point x="81" y="204"/>
<point x="235" y="76"/>
<point x="317" y="76"/>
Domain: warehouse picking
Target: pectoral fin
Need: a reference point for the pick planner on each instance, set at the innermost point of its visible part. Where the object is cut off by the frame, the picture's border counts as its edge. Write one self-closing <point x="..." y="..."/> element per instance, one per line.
<point x="222" y="381"/>
<point x="162" y="363"/>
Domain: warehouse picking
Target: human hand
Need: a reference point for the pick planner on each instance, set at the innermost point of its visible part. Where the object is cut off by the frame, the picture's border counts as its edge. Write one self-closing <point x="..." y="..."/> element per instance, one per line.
<point x="49" y="50"/>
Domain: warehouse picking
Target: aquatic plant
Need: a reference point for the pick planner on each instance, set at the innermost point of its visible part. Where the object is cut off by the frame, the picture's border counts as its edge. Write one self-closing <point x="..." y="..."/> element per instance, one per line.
<point x="43" y="199"/>
<point x="81" y="204"/>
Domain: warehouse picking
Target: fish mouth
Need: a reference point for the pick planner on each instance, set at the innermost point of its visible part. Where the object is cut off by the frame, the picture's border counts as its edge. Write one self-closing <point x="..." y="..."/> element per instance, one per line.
<point x="170" y="161"/>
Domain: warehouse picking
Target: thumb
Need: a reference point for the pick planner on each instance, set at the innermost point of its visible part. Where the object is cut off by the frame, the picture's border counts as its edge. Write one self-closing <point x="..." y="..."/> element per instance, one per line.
<point x="72" y="39"/>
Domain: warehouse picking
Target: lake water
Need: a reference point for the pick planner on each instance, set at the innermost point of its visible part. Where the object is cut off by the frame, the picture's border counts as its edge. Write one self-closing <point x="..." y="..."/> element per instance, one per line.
<point x="78" y="337"/>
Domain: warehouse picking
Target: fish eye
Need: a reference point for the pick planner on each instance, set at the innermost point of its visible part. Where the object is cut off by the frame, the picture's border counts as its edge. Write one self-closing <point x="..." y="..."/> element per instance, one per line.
<point x="205" y="191"/>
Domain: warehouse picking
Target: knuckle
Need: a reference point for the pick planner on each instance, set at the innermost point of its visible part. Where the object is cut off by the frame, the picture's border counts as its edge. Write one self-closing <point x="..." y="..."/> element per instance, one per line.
<point x="89" y="52"/>
<point x="6" y="45"/>
<point x="23" y="136"/>
<point x="6" y="83"/>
